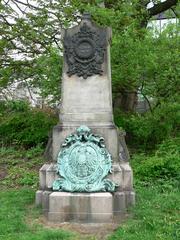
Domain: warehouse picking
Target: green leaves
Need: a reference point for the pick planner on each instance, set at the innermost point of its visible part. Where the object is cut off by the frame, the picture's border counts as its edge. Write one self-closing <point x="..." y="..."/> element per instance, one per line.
<point x="144" y="132"/>
<point x="47" y="75"/>
<point x="31" y="44"/>
<point x="164" y="163"/>
<point x="22" y="126"/>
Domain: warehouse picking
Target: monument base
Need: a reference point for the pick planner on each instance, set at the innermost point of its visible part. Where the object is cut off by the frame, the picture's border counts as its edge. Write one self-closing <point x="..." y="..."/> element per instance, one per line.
<point x="102" y="207"/>
<point x="83" y="207"/>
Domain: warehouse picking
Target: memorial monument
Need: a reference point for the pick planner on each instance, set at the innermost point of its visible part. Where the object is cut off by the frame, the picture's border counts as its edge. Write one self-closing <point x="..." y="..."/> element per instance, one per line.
<point x="89" y="178"/>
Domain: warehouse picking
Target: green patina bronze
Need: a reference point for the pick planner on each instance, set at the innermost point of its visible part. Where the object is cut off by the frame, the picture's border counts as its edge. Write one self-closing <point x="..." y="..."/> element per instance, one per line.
<point x="83" y="163"/>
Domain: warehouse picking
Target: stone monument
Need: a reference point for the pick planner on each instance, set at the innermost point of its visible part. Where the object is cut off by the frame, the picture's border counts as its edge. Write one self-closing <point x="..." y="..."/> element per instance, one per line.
<point x="89" y="178"/>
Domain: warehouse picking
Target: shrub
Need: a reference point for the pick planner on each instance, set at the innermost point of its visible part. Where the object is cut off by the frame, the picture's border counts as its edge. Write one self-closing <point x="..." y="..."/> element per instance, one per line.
<point x="148" y="130"/>
<point x="163" y="164"/>
<point x="24" y="126"/>
<point x="14" y="106"/>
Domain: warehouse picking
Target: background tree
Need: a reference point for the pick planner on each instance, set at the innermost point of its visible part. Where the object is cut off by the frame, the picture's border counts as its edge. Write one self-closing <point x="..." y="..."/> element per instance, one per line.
<point x="30" y="45"/>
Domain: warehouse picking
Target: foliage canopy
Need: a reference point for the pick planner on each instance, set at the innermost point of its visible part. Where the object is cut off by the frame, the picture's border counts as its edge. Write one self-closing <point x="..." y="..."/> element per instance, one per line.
<point x="31" y="47"/>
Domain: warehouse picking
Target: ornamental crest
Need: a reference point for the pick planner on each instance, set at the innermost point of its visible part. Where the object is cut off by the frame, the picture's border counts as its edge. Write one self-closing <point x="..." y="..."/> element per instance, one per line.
<point x="84" y="51"/>
<point x="83" y="163"/>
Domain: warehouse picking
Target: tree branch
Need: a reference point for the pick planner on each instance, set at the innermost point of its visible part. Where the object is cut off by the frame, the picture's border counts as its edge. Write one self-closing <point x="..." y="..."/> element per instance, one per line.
<point x="175" y="13"/>
<point x="161" y="7"/>
<point x="23" y="12"/>
<point x="148" y="102"/>
<point x="27" y="4"/>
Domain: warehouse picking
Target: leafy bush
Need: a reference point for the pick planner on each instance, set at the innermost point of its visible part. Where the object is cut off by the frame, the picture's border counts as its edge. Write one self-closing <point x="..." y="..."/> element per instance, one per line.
<point x="14" y="106"/>
<point x="148" y="130"/>
<point x="20" y="125"/>
<point x="163" y="164"/>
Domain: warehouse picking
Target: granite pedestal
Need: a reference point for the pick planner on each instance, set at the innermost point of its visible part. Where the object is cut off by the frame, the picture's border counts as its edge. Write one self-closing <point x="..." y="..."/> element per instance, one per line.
<point x="85" y="207"/>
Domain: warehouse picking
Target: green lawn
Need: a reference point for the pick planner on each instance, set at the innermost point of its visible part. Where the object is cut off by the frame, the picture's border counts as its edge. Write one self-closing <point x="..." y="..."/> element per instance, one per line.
<point x="156" y="215"/>
<point x="18" y="218"/>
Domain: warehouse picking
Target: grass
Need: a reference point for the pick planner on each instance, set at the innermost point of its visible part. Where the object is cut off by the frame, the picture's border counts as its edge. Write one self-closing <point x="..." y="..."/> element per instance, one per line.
<point x="14" y="213"/>
<point x="20" y="167"/>
<point x="155" y="216"/>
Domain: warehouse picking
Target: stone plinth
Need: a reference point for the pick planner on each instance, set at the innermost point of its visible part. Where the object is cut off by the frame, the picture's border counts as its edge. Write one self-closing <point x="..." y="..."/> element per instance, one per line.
<point x="85" y="207"/>
<point x="82" y="207"/>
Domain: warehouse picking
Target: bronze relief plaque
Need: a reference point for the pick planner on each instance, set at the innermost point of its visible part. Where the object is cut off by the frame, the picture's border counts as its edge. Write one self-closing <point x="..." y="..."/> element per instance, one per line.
<point x="84" y="51"/>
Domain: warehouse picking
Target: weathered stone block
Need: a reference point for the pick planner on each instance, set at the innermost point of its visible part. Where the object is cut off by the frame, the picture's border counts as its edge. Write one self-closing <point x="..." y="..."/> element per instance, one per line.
<point x="119" y="203"/>
<point x="38" y="198"/>
<point x="127" y="181"/>
<point x="123" y="151"/>
<point x="130" y="198"/>
<point x="80" y="207"/>
<point x="51" y="175"/>
<point x="116" y="175"/>
<point x="42" y="176"/>
<point x="45" y="201"/>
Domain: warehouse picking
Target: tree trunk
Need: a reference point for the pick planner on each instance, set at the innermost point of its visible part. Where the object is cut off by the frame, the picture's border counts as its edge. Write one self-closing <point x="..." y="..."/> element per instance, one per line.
<point x="126" y="101"/>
